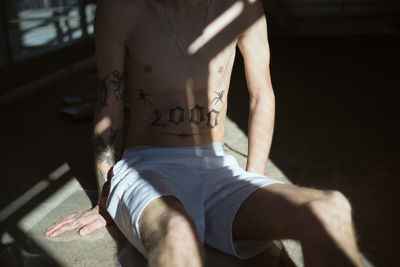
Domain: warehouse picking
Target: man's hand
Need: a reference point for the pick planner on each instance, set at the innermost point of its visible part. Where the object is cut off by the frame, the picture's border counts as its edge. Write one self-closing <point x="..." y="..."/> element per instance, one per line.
<point x="87" y="221"/>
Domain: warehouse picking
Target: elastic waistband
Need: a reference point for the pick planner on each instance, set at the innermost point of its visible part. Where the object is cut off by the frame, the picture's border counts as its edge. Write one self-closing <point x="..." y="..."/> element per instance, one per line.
<point x="215" y="148"/>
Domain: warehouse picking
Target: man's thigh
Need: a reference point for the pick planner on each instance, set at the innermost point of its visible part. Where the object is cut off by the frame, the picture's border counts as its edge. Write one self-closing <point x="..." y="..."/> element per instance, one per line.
<point x="162" y="216"/>
<point x="272" y="212"/>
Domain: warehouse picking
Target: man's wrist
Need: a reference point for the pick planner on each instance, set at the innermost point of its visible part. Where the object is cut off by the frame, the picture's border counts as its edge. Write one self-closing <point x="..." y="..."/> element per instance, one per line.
<point x="102" y="202"/>
<point x="254" y="167"/>
<point x="101" y="206"/>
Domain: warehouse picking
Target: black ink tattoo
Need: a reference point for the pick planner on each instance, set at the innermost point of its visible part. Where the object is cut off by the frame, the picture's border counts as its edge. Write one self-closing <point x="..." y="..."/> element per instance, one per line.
<point x="157" y="113"/>
<point x="196" y="116"/>
<point x="215" y="119"/>
<point x="219" y="97"/>
<point x="118" y="82"/>
<point x="108" y="150"/>
<point x="103" y="94"/>
<point x="193" y="114"/>
<point x="172" y="115"/>
<point x="144" y="96"/>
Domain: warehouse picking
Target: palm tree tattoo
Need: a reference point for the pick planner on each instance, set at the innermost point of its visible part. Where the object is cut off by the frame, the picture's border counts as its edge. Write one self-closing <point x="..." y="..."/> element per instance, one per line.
<point x="219" y="97"/>
<point x="144" y="96"/>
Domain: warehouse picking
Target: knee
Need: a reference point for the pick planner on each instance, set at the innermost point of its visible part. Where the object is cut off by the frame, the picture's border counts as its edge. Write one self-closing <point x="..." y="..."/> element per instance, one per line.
<point x="329" y="200"/>
<point x="339" y="200"/>
<point x="330" y="209"/>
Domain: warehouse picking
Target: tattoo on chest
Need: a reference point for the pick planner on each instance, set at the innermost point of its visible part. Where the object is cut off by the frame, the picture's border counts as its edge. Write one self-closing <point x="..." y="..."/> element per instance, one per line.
<point x="177" y="115"/>
<point x="144" y="97"/>
<point x="218" y="98"/>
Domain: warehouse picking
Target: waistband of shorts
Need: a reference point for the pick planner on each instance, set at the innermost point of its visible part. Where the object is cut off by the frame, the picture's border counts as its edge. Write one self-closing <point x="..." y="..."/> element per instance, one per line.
<point x="214" y="148"/>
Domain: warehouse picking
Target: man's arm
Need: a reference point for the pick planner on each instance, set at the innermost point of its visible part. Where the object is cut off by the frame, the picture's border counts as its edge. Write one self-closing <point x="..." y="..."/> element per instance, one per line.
<point x="110" y="39"/>
<point x="253" y="44"/>
<point x="111" y="36"/>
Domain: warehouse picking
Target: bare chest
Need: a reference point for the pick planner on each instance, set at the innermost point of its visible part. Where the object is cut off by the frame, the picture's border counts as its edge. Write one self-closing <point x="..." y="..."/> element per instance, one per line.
<point x="169" y="49"/>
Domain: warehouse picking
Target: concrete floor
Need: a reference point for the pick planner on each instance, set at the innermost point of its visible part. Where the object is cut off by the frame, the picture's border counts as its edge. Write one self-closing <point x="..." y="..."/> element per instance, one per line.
<point x="336" y="128"/>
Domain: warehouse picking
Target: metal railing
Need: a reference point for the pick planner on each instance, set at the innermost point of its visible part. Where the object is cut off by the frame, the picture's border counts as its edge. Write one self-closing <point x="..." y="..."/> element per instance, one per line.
<point x="36" y="27"/>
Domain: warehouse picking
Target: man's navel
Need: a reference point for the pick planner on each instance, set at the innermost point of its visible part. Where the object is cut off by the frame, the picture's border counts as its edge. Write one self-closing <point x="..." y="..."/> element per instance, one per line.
<point x="182" y="134"/>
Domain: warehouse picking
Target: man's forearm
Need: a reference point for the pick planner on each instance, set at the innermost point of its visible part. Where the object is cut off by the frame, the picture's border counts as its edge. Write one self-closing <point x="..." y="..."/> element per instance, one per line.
<point x="260" y="131"/>
<point x="107" y="150"/>
<point x="108" y="124"/>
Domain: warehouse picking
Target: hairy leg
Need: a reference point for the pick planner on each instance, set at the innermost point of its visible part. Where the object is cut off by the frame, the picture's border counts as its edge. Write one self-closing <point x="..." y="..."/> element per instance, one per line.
<point x="169" y="234"/>
<point x="321" y="220"/>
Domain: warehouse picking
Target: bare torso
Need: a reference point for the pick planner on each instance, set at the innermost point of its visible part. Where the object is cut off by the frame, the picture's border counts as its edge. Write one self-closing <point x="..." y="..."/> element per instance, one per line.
<point x="178" y="100"/>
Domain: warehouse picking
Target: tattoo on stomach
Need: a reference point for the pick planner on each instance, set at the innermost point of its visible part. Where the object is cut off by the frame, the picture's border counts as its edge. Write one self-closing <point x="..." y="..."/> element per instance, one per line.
<point x="177" y="114"/>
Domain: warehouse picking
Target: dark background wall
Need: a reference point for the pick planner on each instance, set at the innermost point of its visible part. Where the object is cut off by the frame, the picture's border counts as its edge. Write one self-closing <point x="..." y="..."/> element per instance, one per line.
<point x="335" y="17"/>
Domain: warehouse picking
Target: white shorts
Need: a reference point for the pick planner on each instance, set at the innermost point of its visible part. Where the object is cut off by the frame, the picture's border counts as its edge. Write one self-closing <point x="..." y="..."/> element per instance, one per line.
<point x="210" y="185"/>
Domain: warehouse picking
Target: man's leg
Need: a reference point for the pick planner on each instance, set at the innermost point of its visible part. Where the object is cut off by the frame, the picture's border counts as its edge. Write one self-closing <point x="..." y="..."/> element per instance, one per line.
<point x="169" y="234"/>
<point x="321" y="220"/>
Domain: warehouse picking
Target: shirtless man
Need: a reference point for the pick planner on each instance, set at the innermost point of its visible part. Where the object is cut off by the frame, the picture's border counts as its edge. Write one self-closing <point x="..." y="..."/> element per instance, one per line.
<point x="174" y="187"/>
